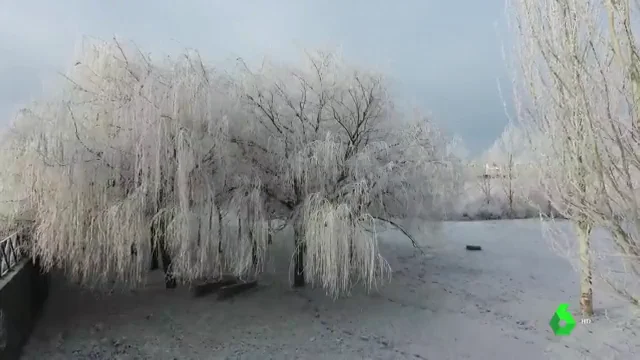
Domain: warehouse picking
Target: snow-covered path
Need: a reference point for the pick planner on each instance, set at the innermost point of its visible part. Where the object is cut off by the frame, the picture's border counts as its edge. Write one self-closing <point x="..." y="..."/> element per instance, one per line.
<point x="451" y="304"/>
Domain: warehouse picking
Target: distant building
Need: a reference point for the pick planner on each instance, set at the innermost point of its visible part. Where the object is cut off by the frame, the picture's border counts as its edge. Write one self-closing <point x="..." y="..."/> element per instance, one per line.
<point x="495" y="170"/>
<point x="491" y="170"/>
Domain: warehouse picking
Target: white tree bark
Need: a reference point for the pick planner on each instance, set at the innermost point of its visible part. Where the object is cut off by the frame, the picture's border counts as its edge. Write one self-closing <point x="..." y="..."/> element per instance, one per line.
<point x="583" y="231"/>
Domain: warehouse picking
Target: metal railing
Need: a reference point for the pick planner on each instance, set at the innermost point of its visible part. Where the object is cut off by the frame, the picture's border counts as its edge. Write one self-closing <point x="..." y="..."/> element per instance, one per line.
<point x="10" y="252"/>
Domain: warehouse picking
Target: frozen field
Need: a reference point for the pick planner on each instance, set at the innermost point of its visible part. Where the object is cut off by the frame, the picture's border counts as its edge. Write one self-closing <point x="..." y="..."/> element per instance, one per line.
<point x="451" y="304"/>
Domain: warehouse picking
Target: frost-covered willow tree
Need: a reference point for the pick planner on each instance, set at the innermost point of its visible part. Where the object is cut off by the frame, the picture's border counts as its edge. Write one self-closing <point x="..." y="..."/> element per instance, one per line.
<point x="331" y="150"/>
<point x="579" y="89"/>
<point x="129" y="160"/>
<point x="137" y="156"/>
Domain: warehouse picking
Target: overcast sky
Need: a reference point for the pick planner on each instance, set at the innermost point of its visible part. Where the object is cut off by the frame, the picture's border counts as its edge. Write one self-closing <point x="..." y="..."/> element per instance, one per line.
<point x="444" y="55"/>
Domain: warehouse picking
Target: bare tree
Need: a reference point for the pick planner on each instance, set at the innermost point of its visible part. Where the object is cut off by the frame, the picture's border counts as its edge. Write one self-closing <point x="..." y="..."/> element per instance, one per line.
<point x="334" y="154"/>
<point x="508" y="150"/>
<point x="578" y="90"/>
<point x="484" y="181"/>
<point x="507" y="178"/>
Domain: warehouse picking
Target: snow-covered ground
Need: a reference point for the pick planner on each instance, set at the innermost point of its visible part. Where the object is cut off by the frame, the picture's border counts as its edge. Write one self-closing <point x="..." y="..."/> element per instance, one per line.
<point x="450" y="304"/>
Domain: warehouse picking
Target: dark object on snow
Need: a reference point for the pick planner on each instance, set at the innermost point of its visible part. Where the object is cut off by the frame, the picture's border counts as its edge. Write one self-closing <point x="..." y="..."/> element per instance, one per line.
<point x="228" y="291"/>
<point x="226" y="287"/>
<point x="210" y="287"/>
<point x="474" y="247"/>
<point x="301" y="249"/>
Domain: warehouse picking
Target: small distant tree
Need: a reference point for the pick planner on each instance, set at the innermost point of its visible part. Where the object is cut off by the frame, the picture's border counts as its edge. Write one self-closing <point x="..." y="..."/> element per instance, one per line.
<point x="507" y="178"/>
<point x="508" y="151"/>
<point x="485" y="183"/>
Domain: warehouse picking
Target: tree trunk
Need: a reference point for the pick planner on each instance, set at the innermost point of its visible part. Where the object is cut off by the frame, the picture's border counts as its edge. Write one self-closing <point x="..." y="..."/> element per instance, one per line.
<point x="159" y="247"/>
<point x="154" y="249"/>
<point x="219" y="231"/>
<point x="583" y="230"/>
<point x="352" y="251"/>
<point x="300" y="249"/>
<point x="254" y="244"/>
<point x="254" y="251"/>
<point x="169" y="279"/>
<point x="510" y="195"/>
